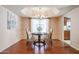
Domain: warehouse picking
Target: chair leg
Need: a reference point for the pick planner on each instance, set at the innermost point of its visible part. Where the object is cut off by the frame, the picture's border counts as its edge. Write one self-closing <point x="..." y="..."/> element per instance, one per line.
<point x="44" y="43"/>
<point x="34" y="44"/>
<point x="50" y="42"/>
<point x="27" y="43"/>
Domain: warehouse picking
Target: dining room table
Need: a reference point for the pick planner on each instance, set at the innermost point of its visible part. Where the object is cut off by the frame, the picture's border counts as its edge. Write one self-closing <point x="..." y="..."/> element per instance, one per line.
<point x="39" y="39"/>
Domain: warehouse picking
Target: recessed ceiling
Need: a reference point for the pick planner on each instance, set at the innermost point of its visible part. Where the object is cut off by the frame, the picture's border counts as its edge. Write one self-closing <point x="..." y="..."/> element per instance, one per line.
<point x="38" y="12"/>
<point x="62" y="9"/>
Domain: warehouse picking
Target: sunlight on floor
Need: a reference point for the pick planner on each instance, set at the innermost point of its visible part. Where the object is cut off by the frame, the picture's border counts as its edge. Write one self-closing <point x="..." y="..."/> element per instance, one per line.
<point x="67" y="41"/>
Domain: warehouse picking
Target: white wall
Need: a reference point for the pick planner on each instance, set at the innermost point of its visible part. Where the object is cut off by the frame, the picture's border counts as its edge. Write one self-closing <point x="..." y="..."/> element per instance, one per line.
<point x="60" y="26"/>
<point x="56" y="24"/>
<point x="8" y="36"/>
<point x="74" y="34"/>
<point x="53" y="24"/>
<point x="25" y="24"/>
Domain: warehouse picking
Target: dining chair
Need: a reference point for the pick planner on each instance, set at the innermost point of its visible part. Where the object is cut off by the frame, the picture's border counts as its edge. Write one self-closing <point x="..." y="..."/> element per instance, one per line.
<point x="30" y="37"/>
<point x="48" y="38"/>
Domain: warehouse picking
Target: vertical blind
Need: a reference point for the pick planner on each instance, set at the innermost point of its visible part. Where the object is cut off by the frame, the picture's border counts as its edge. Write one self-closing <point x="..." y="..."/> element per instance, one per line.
<point x="39" y="25"/>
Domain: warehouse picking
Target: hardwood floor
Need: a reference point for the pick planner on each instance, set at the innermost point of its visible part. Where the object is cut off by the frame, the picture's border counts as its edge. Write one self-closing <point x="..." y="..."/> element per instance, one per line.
<point x="58" y="47"/>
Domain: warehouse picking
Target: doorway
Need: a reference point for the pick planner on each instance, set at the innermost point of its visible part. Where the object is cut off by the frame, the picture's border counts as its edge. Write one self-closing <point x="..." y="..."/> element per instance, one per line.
<point x="67" y="28"/>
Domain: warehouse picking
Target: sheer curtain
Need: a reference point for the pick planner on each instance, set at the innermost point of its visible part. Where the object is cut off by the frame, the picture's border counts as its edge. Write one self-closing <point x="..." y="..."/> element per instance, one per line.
<point x="39" y="24"/>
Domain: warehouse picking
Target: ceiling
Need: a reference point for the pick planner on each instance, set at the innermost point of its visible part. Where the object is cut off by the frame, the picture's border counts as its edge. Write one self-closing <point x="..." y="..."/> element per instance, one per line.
<point x="62" y="9"/>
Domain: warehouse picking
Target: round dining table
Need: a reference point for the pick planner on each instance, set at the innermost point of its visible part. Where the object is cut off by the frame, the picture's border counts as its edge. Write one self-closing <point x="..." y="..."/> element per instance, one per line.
<point x="39" y="39"/>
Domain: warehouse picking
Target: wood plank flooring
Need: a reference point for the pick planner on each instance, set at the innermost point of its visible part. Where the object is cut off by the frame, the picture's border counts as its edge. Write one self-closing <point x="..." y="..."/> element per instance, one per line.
<point x="58" y="47"/>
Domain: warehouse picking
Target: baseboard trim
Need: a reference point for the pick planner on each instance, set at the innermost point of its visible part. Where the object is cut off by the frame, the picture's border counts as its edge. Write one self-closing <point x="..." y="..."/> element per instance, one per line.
<point x="72" y="46"/>
<point x="10" y="45"/>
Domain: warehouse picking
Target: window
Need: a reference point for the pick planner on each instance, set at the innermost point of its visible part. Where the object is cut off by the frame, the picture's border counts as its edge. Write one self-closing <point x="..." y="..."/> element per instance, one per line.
<point x="38" y="25"/>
